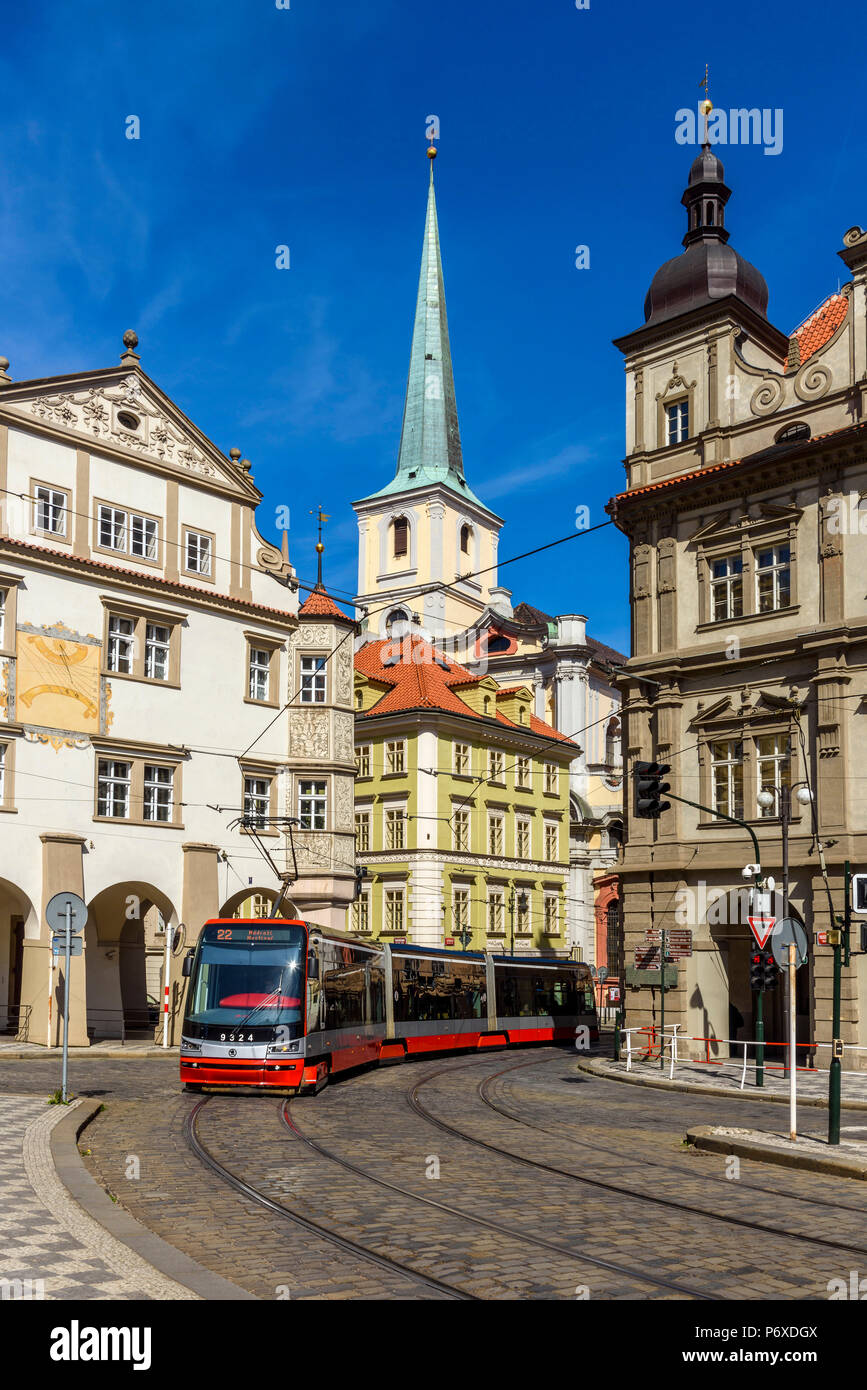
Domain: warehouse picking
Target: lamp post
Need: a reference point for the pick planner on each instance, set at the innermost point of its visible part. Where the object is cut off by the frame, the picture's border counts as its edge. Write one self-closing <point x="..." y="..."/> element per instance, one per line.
<point x="766" y="799"/>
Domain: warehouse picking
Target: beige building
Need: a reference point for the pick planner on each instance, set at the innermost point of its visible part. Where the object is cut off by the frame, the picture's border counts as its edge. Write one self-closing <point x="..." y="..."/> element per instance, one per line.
<point x="746" y="510"/>
<point x="148" y="637"/>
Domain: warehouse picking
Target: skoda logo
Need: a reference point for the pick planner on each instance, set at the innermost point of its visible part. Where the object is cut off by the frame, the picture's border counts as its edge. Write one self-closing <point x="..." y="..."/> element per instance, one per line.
<point x="233" y="1051"/>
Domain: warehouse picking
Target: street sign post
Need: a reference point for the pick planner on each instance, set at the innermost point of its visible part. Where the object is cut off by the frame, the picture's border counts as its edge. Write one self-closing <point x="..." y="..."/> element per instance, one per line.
<point x="761" y="928"/>
<point x="66" y="913"/>
<point x="789" y="947"/>
<point x="58" y="945"/>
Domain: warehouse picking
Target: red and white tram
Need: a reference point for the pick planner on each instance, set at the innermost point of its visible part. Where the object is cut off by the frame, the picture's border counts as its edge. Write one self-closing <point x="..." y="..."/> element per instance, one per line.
<point x="274" y="1003"/>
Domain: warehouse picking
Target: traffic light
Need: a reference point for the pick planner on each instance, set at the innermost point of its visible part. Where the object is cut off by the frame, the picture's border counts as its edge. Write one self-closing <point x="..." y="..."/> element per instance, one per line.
<point x="769" y="971"/>
<point x="757" y="972"/>
<point x="649" y="789"/>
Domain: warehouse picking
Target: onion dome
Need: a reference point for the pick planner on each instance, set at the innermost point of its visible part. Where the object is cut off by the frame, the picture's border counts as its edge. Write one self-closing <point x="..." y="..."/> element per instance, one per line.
<point x="707" y="269"/>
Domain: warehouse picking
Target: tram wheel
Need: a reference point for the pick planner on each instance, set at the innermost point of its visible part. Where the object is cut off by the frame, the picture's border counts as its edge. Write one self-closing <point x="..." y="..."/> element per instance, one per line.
<point x="188" y="1086"/>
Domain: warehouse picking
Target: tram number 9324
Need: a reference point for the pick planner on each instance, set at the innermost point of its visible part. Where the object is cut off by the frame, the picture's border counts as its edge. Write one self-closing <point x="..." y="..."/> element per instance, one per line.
<point x="235" y="1037"/>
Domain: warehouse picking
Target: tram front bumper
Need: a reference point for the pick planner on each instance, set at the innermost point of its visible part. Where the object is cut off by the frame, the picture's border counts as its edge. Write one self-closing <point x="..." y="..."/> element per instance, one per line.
<point x="257" y="1071"/>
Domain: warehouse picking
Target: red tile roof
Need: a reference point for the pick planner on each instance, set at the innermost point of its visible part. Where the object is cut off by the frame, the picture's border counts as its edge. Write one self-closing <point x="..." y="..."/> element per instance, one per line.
<point x="320" y="604"/>
<point x="423" y="678"/>
<point x="815" y="331"/>
<point x="729" y="463"/>
<point x="182" y="588"/>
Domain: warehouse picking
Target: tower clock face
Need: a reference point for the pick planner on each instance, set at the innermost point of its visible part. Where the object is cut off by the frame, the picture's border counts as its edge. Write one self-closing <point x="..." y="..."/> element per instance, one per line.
<point x="58" y="683"/>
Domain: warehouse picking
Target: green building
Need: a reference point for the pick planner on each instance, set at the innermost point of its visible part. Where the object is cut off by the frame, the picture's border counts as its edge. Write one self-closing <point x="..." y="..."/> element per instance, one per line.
<point x="461" y="806"/>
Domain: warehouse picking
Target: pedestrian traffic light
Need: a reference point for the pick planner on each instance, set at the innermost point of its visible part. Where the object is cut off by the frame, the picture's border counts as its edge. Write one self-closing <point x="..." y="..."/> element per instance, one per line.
<point x="769" y="971"/>
<point x="649" y="789"/>
<point x="757" y="972"/>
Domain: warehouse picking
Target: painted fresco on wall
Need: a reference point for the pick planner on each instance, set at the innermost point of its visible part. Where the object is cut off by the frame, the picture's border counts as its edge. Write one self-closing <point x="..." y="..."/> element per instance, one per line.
<point x="58" y="680"/>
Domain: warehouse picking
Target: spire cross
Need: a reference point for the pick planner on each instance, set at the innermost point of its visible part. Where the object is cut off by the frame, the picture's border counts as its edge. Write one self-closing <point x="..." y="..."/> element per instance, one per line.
<point x="706" y="105"/>
<point x="320" y="518"/>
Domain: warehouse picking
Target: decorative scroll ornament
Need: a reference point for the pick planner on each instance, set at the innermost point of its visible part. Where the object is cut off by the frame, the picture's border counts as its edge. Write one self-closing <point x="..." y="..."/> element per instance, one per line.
<point x="812" y="382"/>
<point x="767" y="397"/>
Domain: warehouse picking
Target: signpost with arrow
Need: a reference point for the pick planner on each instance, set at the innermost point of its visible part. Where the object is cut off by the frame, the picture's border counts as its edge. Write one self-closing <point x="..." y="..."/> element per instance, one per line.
<point x="66" y="913"/>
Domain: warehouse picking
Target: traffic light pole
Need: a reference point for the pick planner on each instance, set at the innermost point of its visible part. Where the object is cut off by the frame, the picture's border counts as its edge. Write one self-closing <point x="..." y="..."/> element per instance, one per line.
<point x="836" y="1067"/>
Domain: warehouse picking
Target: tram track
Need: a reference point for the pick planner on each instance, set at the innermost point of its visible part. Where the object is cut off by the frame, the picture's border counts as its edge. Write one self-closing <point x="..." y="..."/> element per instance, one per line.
<point x="611" y="1266"/>
<point x="344" y="1243"/>
<point x="629" y="1158"/>
<point x="411" y="1096"/>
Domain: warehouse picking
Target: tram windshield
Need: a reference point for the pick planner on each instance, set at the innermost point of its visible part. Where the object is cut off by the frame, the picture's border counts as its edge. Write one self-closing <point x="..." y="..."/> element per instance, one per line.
<point x="241" y="982"/>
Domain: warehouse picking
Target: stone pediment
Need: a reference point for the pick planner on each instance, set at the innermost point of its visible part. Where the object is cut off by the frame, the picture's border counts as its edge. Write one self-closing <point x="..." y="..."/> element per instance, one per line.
<point x="759" y="515"/>
<point x="765" y="705"/>
<point x="122" y="409"/>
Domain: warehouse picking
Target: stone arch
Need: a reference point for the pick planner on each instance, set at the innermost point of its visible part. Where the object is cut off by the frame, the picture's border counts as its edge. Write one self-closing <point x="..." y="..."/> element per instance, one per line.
<point x="243" y="902"/>
<point x="124" y="958"/>
<point x="19" y="922"/>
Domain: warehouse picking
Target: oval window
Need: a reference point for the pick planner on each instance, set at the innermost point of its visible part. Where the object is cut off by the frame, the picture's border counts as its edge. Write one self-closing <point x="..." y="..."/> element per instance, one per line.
<point x="128" y="420"/>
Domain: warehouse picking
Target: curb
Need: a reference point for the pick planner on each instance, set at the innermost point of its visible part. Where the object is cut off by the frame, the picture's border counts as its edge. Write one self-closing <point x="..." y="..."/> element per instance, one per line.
<point x="696" y="1088"/>
<point x="173" y="1264"/>
<point x="115" y="1054"/>
<point x="705" y="1137"/>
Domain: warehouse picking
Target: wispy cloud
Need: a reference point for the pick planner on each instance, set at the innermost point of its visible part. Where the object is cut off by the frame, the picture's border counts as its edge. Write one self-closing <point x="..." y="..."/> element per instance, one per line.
<point x="526" y="475"/>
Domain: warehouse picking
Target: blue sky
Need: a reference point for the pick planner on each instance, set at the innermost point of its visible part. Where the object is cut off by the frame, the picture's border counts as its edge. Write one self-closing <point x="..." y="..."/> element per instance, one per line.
<point x="305" y="127"/>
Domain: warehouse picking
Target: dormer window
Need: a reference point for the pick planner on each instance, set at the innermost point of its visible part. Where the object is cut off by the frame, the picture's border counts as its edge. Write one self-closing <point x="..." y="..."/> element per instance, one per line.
<point x="677" y="418"/>
<point x="400" y="530"/>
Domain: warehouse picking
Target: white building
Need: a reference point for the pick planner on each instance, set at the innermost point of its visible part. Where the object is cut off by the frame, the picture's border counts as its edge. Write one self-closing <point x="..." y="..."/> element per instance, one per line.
<point x="148" y="637"/>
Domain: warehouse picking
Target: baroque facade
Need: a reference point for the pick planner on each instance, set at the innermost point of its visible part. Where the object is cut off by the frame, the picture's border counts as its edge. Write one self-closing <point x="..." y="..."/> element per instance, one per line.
<point x="746" y="477"/>
<point x="148" y="637"/>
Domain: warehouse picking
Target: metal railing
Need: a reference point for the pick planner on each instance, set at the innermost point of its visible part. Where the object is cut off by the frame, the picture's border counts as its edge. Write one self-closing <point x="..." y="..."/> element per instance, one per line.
<point x="656" y="1042"/>
<point x="15" y="1018"/>
<point x="114" y="1023"/>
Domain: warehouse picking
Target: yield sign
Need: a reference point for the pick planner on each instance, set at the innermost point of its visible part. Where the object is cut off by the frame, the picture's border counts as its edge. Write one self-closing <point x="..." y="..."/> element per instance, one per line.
<point x="761" y="928"/>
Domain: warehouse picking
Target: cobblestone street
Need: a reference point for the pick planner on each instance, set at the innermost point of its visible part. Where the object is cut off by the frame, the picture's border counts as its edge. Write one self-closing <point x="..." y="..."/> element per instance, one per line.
<point x="510" y="1176"/>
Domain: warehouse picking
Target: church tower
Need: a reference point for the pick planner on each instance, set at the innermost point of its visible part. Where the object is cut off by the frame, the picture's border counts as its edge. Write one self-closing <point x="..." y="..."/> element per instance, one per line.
<point x="426" y="528"/>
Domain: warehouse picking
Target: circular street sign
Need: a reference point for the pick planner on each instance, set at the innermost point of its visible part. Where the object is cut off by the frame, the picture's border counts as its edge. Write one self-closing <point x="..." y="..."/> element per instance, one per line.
<point x="785" y="931"/>
<point x="55" y="912"/>
<point x="603" y="972"/>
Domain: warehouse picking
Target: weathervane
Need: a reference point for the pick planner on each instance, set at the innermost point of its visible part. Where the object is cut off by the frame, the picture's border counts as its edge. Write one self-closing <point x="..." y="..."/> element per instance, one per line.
<point x="320" y="517"/>
<point x="707" y="105"/>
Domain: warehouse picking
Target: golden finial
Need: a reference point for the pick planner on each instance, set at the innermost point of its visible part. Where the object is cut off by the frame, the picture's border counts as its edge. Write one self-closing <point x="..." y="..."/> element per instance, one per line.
<point x="431" y="151"/>
<point x="320" y="518"/>
<point x="707" y="104"/>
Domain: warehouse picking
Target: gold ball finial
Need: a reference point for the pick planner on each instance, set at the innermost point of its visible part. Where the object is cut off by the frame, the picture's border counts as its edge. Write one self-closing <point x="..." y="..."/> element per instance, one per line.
<point x="706" y="106"/>
<point x="320" y="547"/>
<point x="431" y="151"/>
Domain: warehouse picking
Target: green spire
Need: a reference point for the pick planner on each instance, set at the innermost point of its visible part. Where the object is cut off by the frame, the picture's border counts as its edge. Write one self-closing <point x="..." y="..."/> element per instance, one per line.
<point x="430" y="440"/>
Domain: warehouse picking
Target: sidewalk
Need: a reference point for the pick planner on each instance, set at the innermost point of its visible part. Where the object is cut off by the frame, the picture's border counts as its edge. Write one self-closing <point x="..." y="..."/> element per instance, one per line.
<point x="107" y="1047"/>
<point x="61" y="1236"/>
<point x="710" y="1080"/>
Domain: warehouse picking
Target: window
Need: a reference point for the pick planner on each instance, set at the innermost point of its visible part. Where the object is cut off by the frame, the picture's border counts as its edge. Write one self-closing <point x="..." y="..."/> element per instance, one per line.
<point x="311" y="805"/>
<point x="2" y="773"/>
<point x="461" y="912"/>
<point x="394" y="909"/>
<point x="395" y="757"/>
<point x="141" y="645"/>
<point x="461" y="829"/>
<point x="313" y="680"/>
<point x="362" y="760"/>
<point x="799" y="431"/>
<point x="361" y="913"/>
<point x="495" y="765"/>
<point x="157" y="648"/>
<point x="496" y="835"/>
<point x="127" y="533"/>
<point x="158" y="783"/>
<point x="552" y="914"/>
<point x="462" y="759"/>
<point x="727" y="588"/>
<point x="551" y="778"/>
<point x="552" y="842"/>
<point x="774" y="768"/>
<point x="612" y="935"/>
<point x="466" y="532"/>
<point x="677" y="421"/>
<point x="727" y="766"/>
<point x="49" y="510"/>
<point x="121" y="644"/>
<point x="400" y="532"/>
<point x="257" y="799"/>
<point x="522" y="911"/>
<point x="198" y="549"/>
<point x="496" y="910"/>
<point x="522" y="838"/>
<point x="395" y="827"/>
<point x="113" y="788"/>
<point x="259" y="673"/>
<point x="362" y="832"/>
<point x="773" y="579"/>
<point x="522" y="773"/>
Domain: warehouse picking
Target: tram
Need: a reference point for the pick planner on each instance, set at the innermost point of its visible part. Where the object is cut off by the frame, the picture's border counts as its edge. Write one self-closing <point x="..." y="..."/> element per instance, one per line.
<point x="288" y="1004"/>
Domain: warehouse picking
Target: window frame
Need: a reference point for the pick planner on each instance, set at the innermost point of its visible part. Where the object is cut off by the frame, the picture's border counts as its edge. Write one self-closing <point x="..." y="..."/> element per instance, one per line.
<point x="7" y="774"/>
<point x="522" y="822"/>
<point x="251" y="770"/>
<point x="523" y="773"/>
<point x="141" y="618"/>
<point x="498" y="778"/>
<point x="126" y="552"/>
<point x="137" y="760"/>
<point x="61" y="538"/>
<point x="363" y="756"/>
<point x="462" y="816"/>
<point x="551" y="827"/>
<point x="731" y="806"/>
<point x="363" y="815"/>
<point x="323" y="671"/>
<point x="397" y="744"/>
<point x="680" y="404"/>
<point x="457" y="770"/>
<point x="188" y="531"/>
<point x="315" y="797"/>
<point x="775" y="570"/>
<point x="395" y="891"/>
<point x="495" y="891"/>
<point x="273" y="645"/>
<point x="497" y="818"/>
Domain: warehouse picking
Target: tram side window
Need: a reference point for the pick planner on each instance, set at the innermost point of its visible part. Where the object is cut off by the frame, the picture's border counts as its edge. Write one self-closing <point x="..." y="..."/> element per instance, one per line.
<point x="345" y="996"/>
<point x="521" y="993"/>
<point x="431" y="990"/>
